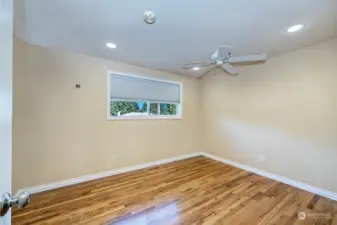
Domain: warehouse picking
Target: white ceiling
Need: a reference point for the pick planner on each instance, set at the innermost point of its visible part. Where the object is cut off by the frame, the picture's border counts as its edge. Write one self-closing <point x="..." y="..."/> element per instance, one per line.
<point x="185" y="31"/>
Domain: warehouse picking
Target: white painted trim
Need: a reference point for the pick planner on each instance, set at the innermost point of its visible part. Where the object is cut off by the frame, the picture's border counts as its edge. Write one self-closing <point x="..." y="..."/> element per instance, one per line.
<point x="77" y="180"/>
<point x="163" y="117"/>
<point x="112" y="72"/>
<point x="179" y="106"/>
<point x="285" y="180"/>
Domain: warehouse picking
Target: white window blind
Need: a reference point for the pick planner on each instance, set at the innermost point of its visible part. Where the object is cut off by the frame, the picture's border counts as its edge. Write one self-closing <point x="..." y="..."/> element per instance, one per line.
<point x="133" y="88"/>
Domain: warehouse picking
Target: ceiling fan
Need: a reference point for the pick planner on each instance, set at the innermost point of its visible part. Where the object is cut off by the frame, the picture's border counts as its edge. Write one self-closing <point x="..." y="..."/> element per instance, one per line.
<point x="225" y="62"/>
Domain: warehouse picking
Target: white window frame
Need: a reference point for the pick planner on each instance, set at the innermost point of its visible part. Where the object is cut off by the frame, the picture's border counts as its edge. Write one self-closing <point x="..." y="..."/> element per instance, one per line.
<point x="160" y="117"/>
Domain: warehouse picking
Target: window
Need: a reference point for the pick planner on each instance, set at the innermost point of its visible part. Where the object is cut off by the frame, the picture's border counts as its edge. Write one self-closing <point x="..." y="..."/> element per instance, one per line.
<point x="135" y="97"/>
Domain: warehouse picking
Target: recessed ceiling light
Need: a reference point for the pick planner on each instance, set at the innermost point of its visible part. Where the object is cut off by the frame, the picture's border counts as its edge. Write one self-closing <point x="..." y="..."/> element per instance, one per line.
<point x="110" y="45"/>
<point x="295" y="28"/>
<point x="196" y="68"/>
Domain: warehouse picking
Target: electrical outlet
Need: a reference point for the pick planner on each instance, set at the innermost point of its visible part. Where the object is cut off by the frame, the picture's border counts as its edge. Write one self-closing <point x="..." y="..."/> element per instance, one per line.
<point x="262" y="158"/>
<point x="113" y="157"/>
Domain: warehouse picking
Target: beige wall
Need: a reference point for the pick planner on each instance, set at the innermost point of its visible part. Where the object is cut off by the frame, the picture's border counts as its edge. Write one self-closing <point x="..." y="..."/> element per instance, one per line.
<point x="61" y="132"/>
<point x="285" y="110"/>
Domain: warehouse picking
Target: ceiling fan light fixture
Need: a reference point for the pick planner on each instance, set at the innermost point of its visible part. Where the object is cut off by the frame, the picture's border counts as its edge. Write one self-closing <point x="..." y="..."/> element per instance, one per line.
<point x="225" y="63"/>
<point x="295" y="28"/>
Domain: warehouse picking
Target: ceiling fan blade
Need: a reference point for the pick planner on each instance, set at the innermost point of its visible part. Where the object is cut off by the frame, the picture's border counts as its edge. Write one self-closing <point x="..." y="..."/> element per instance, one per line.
<point x="197" y="64"/>
<point x="230" y="69"/>
<point x="248" y="59"/>
<point x="205" y="74"/>
<point x="215" y="55"/>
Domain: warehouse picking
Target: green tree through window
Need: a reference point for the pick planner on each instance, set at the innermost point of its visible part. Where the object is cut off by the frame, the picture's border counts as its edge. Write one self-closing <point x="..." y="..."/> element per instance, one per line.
<point x="118" y="108"/>
<point x="168" y="109"/>
<point x="124" y="107"/>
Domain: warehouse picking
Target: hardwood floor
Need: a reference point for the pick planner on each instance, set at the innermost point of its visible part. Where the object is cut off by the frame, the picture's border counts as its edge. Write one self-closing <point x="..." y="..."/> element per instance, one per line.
<point x="192" y="191"/>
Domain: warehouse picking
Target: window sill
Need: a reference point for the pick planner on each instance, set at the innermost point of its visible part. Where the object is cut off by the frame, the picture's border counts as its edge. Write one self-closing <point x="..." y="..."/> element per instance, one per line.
<point x="144" y="117"/>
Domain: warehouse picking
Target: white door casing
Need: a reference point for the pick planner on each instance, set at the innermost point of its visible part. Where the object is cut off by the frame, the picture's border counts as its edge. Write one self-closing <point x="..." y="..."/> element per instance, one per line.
<point x="6" y="64"/>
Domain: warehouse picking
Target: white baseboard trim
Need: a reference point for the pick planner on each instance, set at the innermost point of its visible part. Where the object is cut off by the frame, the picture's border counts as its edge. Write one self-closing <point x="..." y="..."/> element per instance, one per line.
<point x="297" y="184"/>
<point x="77" y="180"/>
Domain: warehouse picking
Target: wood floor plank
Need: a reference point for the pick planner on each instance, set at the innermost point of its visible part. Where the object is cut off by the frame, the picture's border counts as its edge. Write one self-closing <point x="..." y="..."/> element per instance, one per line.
<point x="192" y="191"/>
